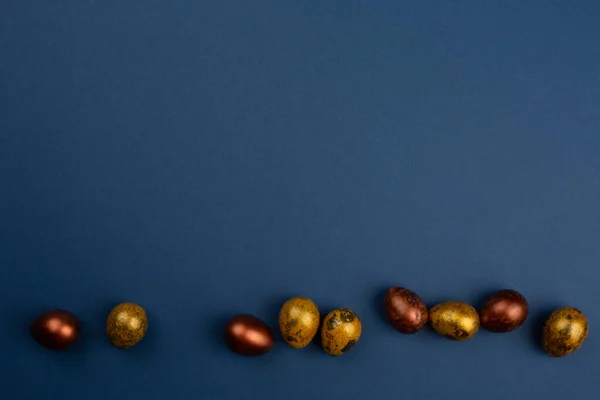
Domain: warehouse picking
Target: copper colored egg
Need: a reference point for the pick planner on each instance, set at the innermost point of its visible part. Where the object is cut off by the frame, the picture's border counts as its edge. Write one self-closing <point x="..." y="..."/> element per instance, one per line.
<point x="405" y="310"/>
<point x="248" y="336"/>
<point x="504" y="311"/>
<point x="55" y="330"/>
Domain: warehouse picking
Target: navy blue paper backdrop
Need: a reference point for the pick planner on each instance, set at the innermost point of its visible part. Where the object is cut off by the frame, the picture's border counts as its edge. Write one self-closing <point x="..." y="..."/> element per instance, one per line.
<point x="209" y="158"/>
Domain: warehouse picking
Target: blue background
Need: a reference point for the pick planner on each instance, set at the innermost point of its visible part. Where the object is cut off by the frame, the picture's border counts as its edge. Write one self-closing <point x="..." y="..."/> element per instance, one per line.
<point x="205" y="159"/>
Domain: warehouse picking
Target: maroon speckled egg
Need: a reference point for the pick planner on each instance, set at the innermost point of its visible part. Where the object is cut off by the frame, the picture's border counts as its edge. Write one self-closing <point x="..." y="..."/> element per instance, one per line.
<point x="405" y="310"/>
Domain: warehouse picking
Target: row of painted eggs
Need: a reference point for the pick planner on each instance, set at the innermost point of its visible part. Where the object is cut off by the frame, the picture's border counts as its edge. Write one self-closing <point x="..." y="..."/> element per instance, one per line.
<point x="564" y="332"/>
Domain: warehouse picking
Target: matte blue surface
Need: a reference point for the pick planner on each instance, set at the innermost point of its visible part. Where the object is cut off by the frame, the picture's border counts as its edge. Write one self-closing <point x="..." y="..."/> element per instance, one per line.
<point x="212" y="158"/>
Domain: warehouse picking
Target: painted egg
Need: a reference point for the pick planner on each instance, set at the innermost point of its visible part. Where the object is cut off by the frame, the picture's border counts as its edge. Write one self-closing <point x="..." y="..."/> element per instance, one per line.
<point x="56" y="329"/>
<point x="247" y="335"/>
<point x="405" y="310"/>
<point x="565" y="331"/>
<point x="504" y="311"/>
<point x="454" y="320"/>
<point x="340" y="331"/>
<point x="299" y="321"/>
<point x="126" y="325"/>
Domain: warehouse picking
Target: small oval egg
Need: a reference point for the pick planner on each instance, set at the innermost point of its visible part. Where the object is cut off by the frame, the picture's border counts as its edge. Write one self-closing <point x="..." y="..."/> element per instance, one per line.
<point x="340" y="331"/>
<point x="454" y="320"/>
<point x="504" y="311"/>
<point x="564" y="331"/>
<point x="126" y="325"/>
<point x="405" y="310"/>
<point x="55" y="330"/>
<point x="247" y="335"/>
<point x="299" y="321"/>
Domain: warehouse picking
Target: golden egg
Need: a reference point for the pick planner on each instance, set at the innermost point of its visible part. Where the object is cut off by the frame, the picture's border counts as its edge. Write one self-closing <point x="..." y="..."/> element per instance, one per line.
<point x="299" y="321"/>
<point x="340" y="331"/>
<point x="565" y="331"/>
<point x="126" y="325"/>
<point x="454" y="320"/>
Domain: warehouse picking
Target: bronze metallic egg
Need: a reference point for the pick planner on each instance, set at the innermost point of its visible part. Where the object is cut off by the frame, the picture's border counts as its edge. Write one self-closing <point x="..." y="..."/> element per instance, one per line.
<point x="504" y="311"/>
<point x="55" y="330"/>
<point x="405" y="310"/>
<point x="248" y="336"/>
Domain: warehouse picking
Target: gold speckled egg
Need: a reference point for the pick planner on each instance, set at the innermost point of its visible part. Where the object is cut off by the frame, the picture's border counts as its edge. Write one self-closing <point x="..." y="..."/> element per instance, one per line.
<point x="299" y="321"/>
<point x="126" y="325"/>
<point x="454" y="320"/>
<point x="565" y="331"/>
<point x="340" y="331"/>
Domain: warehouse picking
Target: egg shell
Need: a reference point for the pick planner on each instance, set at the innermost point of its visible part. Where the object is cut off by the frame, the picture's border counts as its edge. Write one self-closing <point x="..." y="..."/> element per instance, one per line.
<point x="55" y="330"/>
<point x="299" y="321"/>
<point x="565" y="331"/>
<point x="504" y="311"/>
<point x="247" y="335"/>
<point x="454" y="320"/>
<point x="405" y="310"/>
<point x="340" y="331"/>
<point x="126" y="325"/>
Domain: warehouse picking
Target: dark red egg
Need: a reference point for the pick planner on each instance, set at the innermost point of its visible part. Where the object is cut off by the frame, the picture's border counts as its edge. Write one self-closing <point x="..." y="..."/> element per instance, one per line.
<point x="248" y="336"/>
<point x="504" y="311"/>
<point x="55" y="330"/>
<point x="405" y="310"/>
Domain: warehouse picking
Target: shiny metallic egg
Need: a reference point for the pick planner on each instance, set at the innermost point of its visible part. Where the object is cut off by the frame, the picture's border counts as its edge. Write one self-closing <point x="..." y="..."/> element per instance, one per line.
<point x="55" y="330"/>
<point x="126" y="325"/>
<point x="564" y="332"/>
<point x="247" y="335"/>
<point x="299" y="321"/>
<point x="454" y="320"/>
<point x="340" y="331"/>
<point x="405" y="310"/>
<point x="504" y="311"/>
